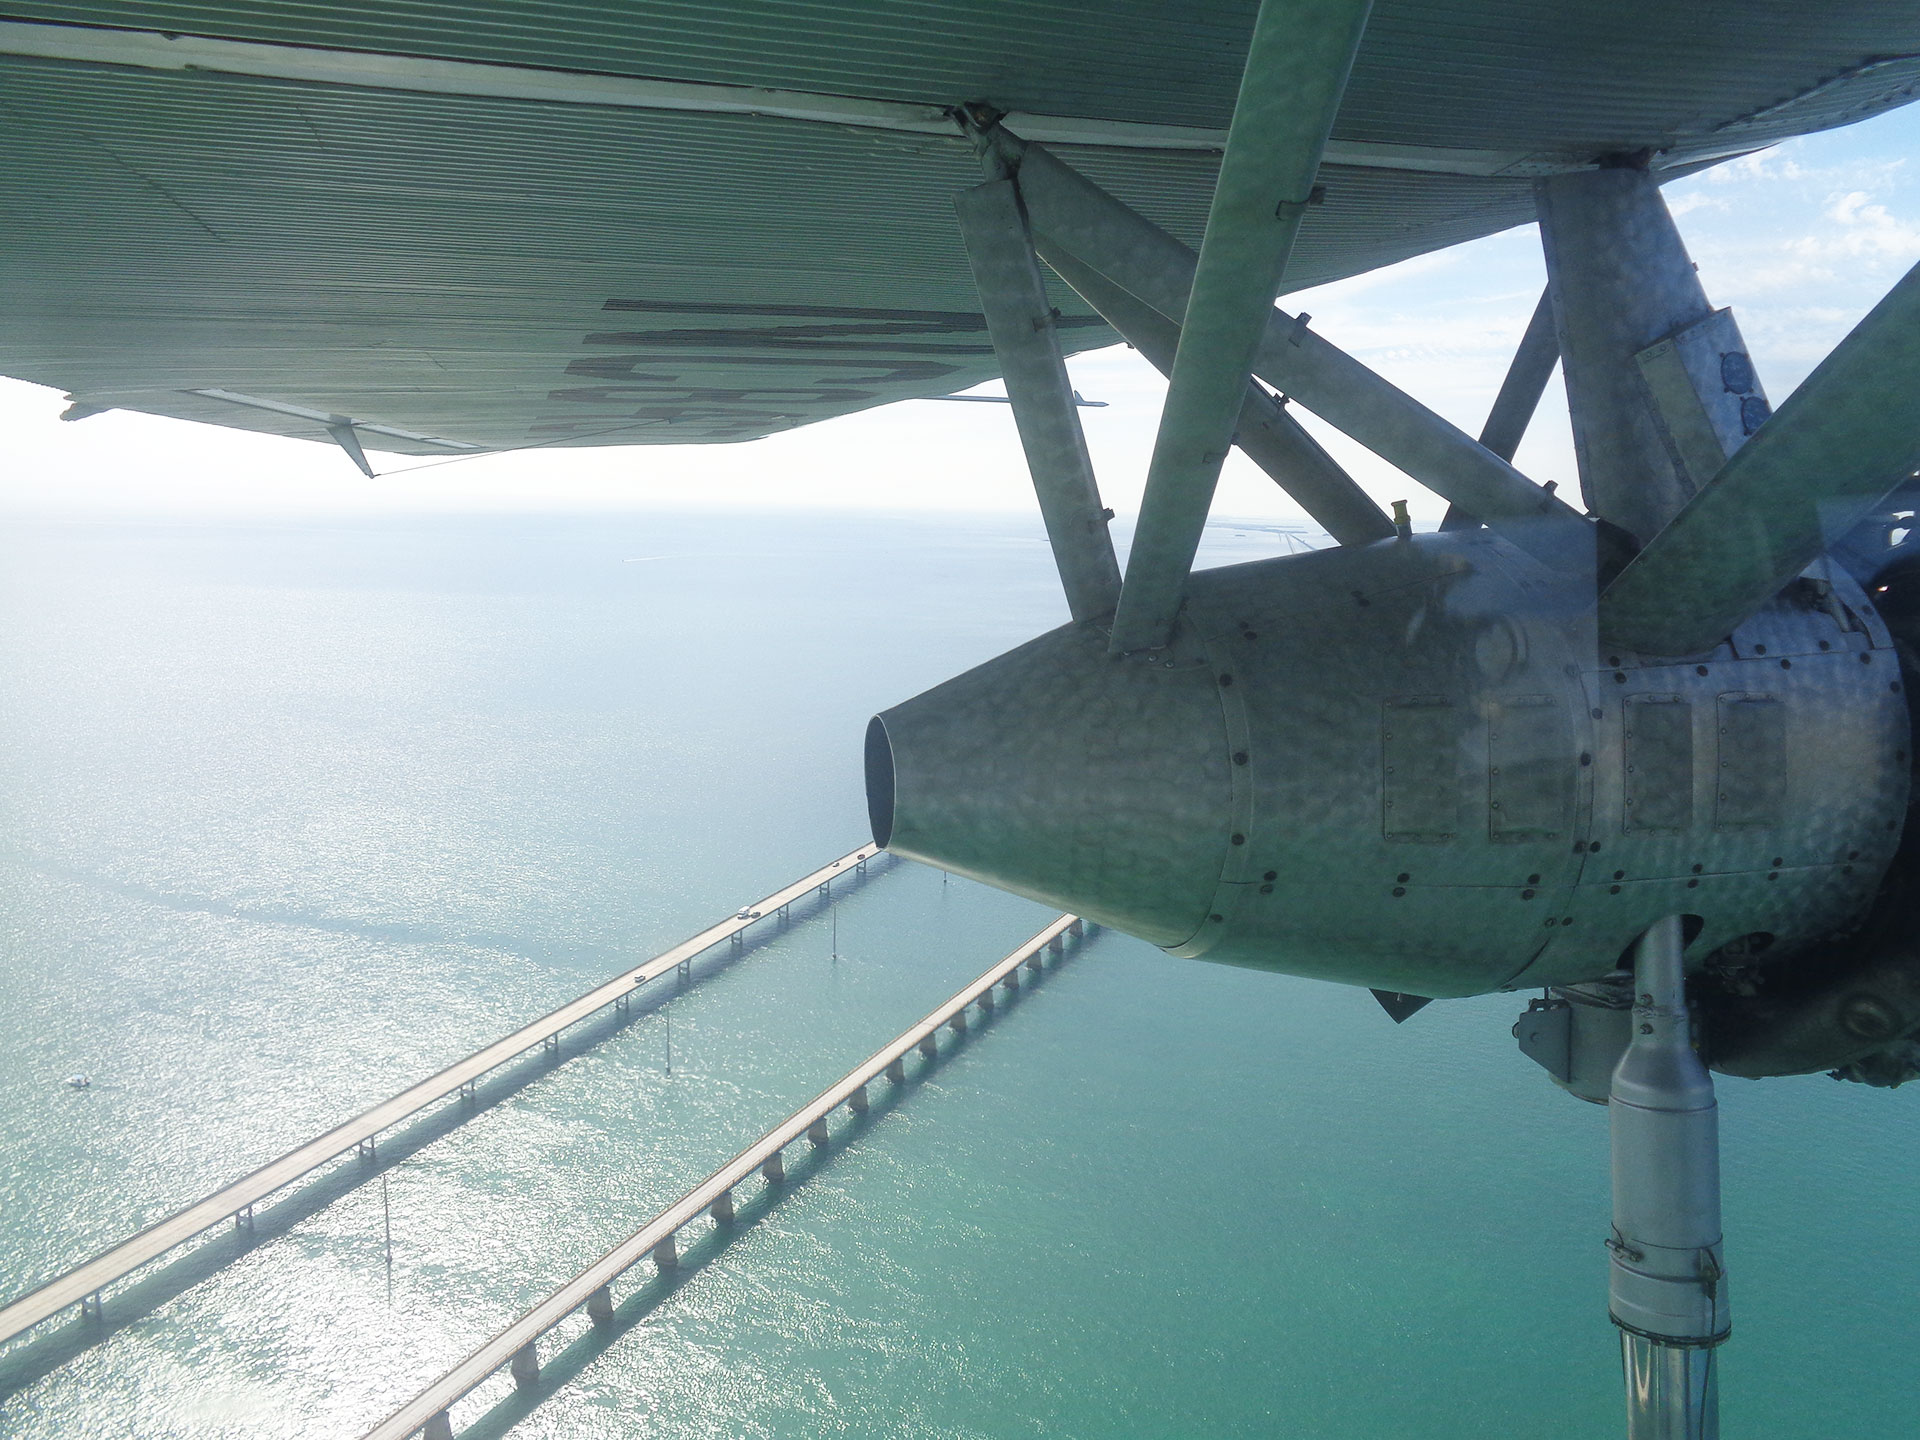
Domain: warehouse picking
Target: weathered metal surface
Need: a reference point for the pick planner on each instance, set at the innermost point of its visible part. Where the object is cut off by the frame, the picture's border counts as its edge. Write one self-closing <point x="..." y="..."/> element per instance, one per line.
<point x="1119" y="788"/>
<point x="1539" y="80"/>
<point x="1838" y="444"/>
<point x="1021" y="321"/>
<point x="1290" y="88"/>
<point x="435" y="258"/>
<point x="1851" y="1005"/>
<point x="1577" y="1034"/>
<point x="494" y="273"/>
<point x="1705" y="393"/>
<point x="1621" y="282"/>
<point x="1056" y="770"/>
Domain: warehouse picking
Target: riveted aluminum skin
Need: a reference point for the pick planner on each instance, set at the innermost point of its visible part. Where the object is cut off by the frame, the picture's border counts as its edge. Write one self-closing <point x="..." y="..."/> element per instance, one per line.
<point x="1055" y="770"/>
<point x="1446" y="788"/>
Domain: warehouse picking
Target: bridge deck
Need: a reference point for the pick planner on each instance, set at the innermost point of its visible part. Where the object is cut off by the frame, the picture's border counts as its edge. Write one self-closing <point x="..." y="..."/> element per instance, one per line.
<point x="78" y="1285"/>
<point x="514" y="1345"/>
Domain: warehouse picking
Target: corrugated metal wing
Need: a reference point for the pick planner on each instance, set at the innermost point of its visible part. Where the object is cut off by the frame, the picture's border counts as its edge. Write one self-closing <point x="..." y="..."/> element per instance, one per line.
<point x="504" y="273"/>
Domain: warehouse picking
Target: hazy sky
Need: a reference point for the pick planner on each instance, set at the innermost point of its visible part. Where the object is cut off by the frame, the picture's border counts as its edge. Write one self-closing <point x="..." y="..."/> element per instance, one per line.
<point x="1800" y="240"/>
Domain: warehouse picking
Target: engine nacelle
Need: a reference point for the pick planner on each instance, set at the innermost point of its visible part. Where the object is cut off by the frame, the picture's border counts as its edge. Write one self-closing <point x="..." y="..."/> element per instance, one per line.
<point x="1410" y="766"/>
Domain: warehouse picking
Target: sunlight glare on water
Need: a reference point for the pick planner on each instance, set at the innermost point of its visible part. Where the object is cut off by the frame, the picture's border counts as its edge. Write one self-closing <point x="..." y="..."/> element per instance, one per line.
<point x="296" y="814"/>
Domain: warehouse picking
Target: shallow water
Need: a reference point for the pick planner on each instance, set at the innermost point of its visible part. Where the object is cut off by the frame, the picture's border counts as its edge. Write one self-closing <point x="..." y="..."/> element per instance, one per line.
<point x="296" y="813"/>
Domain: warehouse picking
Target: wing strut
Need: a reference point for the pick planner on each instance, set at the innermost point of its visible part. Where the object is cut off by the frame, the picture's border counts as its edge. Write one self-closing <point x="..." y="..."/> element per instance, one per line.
<point x="1072" y="215"/>
<point x="1268" y="435"/>
<point x="1659" y="387"/>
<point x="1020" y="322"/>
<point x="1296" y="71"/>
<point x="1519" y="395"/>
<point x="1849" y="435"/>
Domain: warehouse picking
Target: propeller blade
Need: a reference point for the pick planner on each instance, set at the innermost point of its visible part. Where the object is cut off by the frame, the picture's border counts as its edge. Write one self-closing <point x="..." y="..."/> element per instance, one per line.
<point x="1840" y="443"/>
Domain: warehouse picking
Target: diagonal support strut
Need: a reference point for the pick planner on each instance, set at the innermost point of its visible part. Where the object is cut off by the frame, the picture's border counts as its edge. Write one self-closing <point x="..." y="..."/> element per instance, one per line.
<point x="1070" y="213"/>
<point x="1267" y="434"/>
<point x="1527" y="377"/>
<point x="1020" y="322"/>
<point x="1296" y="71"/>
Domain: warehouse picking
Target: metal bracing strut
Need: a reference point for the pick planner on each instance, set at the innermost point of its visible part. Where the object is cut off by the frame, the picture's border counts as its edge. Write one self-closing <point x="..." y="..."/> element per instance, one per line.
<point x="1847" y="437"/>
<point x="1519" y="397"/>
<point x="1668" y="1285"/>
<point x="1526" y="382"/>
<point x="1071" y="214"/>
<point x="1020" y="322"/>
<point x="1296" y="71"/>
<point x="1267" y="434"/>
<point x="1659" y="385"/>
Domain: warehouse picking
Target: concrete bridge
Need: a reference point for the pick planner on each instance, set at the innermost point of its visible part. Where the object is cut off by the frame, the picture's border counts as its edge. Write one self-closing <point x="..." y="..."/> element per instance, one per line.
<point x="517" y="1346"/>
<point x="84" y="1285"/>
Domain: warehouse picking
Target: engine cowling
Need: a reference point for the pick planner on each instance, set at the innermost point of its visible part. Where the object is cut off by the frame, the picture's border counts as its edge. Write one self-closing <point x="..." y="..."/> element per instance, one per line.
<point x="1412" y="767"/>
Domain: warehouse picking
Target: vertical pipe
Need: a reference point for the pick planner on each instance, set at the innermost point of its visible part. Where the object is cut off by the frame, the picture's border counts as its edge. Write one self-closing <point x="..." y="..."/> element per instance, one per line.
<point x="1667" y="1284"/>
<point x="1672" y="1393"/>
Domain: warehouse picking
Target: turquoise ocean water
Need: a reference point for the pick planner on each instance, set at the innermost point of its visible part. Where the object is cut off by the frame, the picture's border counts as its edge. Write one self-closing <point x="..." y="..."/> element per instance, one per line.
<point x="293" y="814"/>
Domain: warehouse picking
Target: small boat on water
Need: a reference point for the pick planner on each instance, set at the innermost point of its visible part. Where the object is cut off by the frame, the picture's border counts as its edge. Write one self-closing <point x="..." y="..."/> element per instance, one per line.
<point x="80" y="1082"/>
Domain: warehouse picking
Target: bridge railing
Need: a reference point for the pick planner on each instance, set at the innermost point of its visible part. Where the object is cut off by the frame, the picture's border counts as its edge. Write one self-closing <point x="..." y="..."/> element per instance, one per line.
<point x="516" y="1345"/>
<point x="82" y="1286"/>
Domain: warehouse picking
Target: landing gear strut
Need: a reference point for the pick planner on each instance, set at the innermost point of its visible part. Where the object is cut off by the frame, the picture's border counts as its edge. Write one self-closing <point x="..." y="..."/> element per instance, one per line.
<point x="1668" y="1282"/>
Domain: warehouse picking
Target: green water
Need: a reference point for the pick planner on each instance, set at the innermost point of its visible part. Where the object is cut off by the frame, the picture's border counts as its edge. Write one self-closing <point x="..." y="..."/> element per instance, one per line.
<point x="295" y="814"/>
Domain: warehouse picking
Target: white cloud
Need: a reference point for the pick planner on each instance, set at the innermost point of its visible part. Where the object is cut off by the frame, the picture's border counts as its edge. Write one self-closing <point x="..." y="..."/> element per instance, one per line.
<point x="1866" y="228"/>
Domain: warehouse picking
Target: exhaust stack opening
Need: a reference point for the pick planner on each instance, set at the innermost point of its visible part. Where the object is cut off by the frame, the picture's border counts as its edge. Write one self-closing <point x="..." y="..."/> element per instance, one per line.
<point x="879" y="781"/>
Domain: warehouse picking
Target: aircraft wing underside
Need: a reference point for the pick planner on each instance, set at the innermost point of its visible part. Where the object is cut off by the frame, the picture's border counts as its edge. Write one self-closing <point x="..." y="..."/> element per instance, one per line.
<point x="598" y="224"/>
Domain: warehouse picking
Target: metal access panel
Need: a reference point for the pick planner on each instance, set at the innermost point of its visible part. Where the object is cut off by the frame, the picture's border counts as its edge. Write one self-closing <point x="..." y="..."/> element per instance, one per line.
<point x="1529" y="769"/>
<point x="1705" y="395"/>
<point x="1659" y="763"/>
<point x="1753" y="762"/>
<point x="1420" y="759"/>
